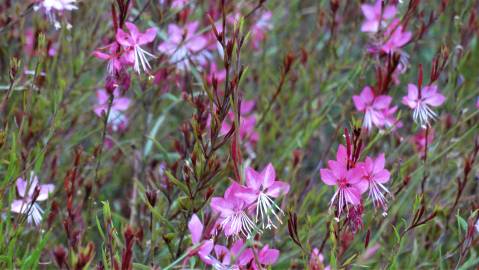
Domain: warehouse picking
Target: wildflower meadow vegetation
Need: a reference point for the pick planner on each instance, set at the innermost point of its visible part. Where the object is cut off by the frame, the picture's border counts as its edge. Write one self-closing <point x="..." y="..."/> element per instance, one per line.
<point x="252" y="134"/>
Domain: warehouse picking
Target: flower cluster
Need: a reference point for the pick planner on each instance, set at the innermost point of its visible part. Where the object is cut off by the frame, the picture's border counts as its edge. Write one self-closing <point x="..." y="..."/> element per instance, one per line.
<point x="31" y="192"/>
<point x="353" y="178"/>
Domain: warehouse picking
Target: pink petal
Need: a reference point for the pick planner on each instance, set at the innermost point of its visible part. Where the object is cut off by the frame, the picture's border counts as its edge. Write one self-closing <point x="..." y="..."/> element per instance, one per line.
<point x="389" y="12"/>
<point x="205" y="251"/>
<point x="268" y="256"/>
<point x="277" y="189"/>
<point x="19" y="206"/>
<point x="44" y="191"/>
<point x="124" y="39"/>
<point x="328" y="177"/>
<point x="222" y="206"/>
<point x="253" y="178"/>
<point x="368" y="11"/>
<point x="382" y="102"/>
<point x="382" y="176"/>
<point x="370" y="26"/>
<point x="196" y="229"/>
<point x="121" y="104"/>
<point x="147" y="37"/>
<point x="367" y="95"/>
<point x="359" y="103"/>
<point x="21" y="186"/>
<point x="342" y="155"/>
<point x="268" y="175"/>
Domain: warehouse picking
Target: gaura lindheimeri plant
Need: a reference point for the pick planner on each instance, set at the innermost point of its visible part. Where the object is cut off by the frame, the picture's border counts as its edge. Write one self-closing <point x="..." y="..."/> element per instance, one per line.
<point x="132" y="41"/>
<point x="376" y="16"/>
<point x="422" y="139"/>
<point x="233" y="213"/>
<point x="420" y="100"/>
<point x="348" y="181"/>
<point x="266" y="257"/>
<point x="184" y="44"/>
<point x="117" y="119"/>
<point x="262" y="187"/>
<point x="30" y="193"/>
<point x="375" y="175"/>
<point x="375" y="108"/>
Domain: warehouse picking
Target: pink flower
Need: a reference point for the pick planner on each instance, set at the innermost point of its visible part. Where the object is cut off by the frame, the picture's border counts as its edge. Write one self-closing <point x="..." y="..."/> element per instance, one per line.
<point x="421" y="102"/>
<point x="395" y="37"/>
<point x="206" y="246"/>
<point x="390" y="119"/>
<point x="233" y="258"/>
<point x="477" y="103"/>
<point x="184" y="44"/>
<point x="420" y="141"/>
<point x="376" y="16"/>
<point x="131" y="43"/>
<point x="348" y="181"/>
<point x="375" y="176"/>
<point x="114" y="57"/>
<point x="260" y="28"/>
<point x="52" y="8"/>
<point x="266" y="256"/>
<point x="117" y="119"/>
<point x="261" y="188"/>
<point x="373" y="107"/>
<point x="316" y="261"/>
<point x="247" y="122"/>
<point x="31" y="192"/>
<point x="219" y="75"/>
<point x="234" y="219"/>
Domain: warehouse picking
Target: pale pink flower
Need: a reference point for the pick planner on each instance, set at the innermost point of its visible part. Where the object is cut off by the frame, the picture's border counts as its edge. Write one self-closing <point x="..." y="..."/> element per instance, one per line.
<point x="395" y="37"/>
<point x="421" y="102"/>
<point x="260" y="28"/>
<point x="117" y="120"/>
<point x="29" y="198"/>
<point x="373" y="107"/>
<point x="390" y="120"/>
<point x="376" y="176"/>
<point x="184" y="44"/>
<point x="348" y="182"/>
<point x="132" y="41"/>
<point x="375" y="16"/>
<point x="219" y="75"/>
<point x="205" y="247"/>
<point x="316" y="261"/>
<point x="262" y="187"/>
<point x="233" y="211"/>
<point x="52" y="8"/>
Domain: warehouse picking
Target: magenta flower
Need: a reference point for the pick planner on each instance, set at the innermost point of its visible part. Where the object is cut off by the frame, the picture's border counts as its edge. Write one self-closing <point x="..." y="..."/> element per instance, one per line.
<point x="260" y="28"/>
<point x="234" y="219"/>
<point x="234" y="258"/>
<point x="205" y="246"/>
<point x="266" y="256"/>
<point x="131" y="43"/>
<point x="184" y="44"/>
<point x="261" y="188"/>
<point x="375" y="175"/>
<point x="113" y="55"/>
<point x="395" y="37"/>
<point x="348" y="181"/>
<point x="373" y="107"/>
<point x="31" y="192"/>
<point x="117" y="120"/>
<point x="375" y="16"/>
<point x="421" y="102"/>
<point x="247" y="122"/>
<point x="390" y="118"/>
